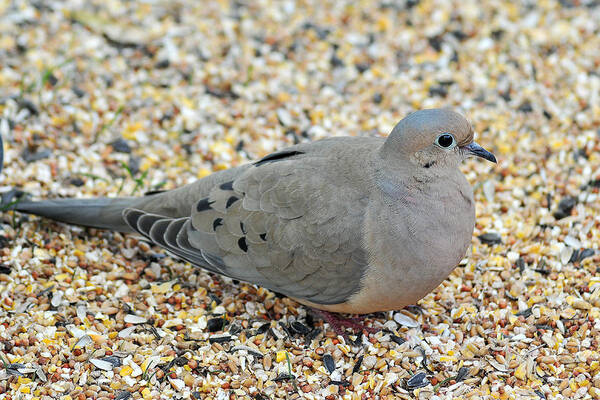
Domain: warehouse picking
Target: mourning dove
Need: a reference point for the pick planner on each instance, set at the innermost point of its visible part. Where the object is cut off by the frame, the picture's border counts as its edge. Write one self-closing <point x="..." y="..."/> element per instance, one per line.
<point x="343" y="224"/>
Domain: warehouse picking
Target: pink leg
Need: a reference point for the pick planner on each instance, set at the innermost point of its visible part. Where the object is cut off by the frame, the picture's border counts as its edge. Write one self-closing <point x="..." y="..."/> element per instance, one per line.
<point x="338" y="323"/>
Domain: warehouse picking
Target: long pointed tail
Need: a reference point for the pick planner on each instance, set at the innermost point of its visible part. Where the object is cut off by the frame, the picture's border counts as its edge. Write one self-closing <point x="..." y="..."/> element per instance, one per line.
<point x="104" y="213"/>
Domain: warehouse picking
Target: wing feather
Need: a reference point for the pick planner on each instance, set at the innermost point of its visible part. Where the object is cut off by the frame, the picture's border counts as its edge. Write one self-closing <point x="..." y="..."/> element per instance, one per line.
<point x="279" y="223"/>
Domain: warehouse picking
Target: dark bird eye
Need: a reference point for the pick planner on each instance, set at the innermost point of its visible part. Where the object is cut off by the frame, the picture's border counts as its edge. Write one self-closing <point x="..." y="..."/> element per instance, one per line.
<point x="445" y="140"/>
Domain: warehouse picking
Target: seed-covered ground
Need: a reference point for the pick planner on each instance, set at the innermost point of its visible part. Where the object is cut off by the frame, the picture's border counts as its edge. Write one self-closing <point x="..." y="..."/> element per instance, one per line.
<point x="107" y="98"/>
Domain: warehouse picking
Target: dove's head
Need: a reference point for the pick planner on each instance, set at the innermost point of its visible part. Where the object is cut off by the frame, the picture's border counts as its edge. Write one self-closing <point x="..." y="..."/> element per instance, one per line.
<point x="433" y="140"/>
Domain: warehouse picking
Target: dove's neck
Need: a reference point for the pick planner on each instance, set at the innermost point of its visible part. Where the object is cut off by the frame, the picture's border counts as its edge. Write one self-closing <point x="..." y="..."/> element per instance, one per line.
<point x="403" y="184"/>
<point x="397" y="179"/>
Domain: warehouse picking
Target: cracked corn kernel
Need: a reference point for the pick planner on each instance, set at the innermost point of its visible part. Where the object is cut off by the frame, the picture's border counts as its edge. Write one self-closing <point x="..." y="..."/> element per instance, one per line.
<point x="280" y="356"/>
<point x="126" y="370"/>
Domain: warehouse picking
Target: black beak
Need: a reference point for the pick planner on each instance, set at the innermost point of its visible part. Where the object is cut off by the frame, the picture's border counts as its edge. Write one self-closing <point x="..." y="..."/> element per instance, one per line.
<point x="477" y="150"/>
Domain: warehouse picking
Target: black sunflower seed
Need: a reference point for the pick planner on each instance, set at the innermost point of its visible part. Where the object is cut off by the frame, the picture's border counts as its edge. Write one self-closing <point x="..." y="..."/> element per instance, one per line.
<point x="299" y="328"/>
<point x="417" y="381"/>
<point x="115" y="361"/>
<point x="490" y="238"/>
<point x="220" y="339"/>
<point x="357" y="364"/>
<point x="215" y="324"/>
<point x="329" y="363"/>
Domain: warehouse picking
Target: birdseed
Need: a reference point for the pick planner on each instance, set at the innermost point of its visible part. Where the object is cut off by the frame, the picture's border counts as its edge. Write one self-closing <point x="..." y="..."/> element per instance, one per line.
<point x="120" y="98"/>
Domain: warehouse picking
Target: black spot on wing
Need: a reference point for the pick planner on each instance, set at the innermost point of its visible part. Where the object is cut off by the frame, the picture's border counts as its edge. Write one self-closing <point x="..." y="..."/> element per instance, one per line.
<point x="243" y="245"/>
<point x="263" y="236"/>
<point x="227" y="186"/>
<point x="277" y="157"/>
<point x="230" y="201"/>
<point x="429" y="164"/>
<point x="242" y="227"/>
<point x="216" y="223"/>
<point x="153" y="192"/>
<point x="204" y="205"/>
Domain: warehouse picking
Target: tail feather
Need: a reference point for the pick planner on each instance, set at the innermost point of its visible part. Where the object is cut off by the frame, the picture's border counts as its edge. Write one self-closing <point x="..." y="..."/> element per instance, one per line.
<point x="107" y="212"/>
<point x="104" y="212"/>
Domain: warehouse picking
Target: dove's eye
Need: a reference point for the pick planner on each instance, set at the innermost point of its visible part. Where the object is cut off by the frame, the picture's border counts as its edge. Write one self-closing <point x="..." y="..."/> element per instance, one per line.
<point x="445" y="141"/>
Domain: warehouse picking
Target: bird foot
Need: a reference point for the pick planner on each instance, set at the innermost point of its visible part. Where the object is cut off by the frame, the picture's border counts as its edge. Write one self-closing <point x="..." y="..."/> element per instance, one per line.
<point x="338" y="323"/>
